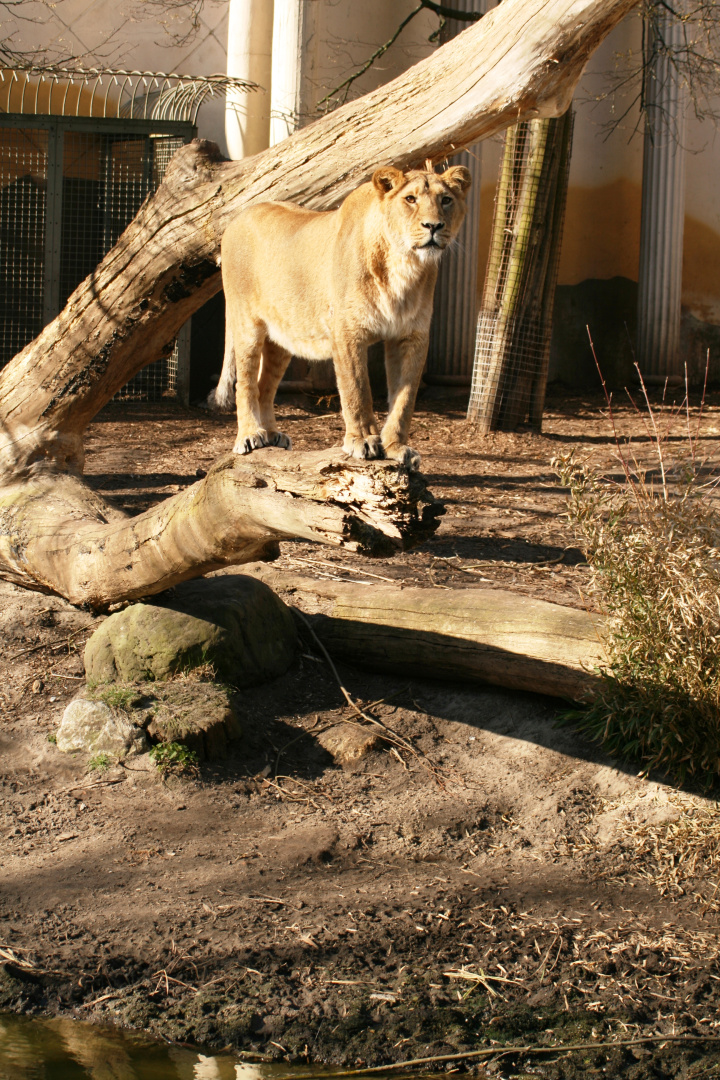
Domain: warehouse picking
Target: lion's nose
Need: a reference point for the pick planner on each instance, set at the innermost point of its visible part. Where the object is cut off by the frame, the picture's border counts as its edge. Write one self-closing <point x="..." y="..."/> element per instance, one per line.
<point x="433" y="226"/>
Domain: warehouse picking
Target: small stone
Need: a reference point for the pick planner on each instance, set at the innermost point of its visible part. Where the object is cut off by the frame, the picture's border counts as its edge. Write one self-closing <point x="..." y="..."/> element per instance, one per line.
<point x="93" y="727"/>
<point x="347" y="743"/>
<point x="38" y="686"/>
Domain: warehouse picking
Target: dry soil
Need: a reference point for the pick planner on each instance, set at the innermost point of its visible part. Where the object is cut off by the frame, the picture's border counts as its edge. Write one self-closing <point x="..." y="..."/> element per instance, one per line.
<point x="504" y="883"/>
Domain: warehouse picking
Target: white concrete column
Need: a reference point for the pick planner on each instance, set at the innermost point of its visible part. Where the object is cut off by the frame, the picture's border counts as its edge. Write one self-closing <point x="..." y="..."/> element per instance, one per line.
<point x="286" y="68"/>
<point x="452" y="334"/>
<point x="663" y="211"/>
<point x="249" y="56"/>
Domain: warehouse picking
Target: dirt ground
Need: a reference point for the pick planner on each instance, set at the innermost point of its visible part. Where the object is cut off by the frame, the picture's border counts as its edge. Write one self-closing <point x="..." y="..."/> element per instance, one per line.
<point x="508" y="883"/>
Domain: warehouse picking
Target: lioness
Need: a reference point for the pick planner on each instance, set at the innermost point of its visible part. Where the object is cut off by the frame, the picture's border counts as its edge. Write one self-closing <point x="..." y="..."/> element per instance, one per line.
<point x="314" y="285"/>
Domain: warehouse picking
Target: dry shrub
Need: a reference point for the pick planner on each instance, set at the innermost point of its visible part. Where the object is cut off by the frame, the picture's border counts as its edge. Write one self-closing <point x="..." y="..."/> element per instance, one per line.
<point x="652" y="540"/>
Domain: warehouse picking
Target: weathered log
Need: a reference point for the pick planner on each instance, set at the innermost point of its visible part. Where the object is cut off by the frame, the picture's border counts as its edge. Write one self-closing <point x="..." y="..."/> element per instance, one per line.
<point x="479" y="635"/>
<point x="521" y="60"/>
<point x="56" y="534"/>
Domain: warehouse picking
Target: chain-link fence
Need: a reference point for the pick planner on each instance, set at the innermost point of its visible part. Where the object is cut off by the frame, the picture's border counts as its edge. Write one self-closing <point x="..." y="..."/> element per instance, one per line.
<point x="23" y="185"/>
<point x="68" y="189"/>
<point x="512" y="347"/>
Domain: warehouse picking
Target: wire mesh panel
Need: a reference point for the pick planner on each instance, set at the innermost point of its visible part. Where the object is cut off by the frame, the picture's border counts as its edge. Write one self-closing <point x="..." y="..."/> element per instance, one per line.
<point x="23" y="185"/>
<point x="68" y="191"/>
<point x="514" y="327"/>
<point x="135" y="170"/>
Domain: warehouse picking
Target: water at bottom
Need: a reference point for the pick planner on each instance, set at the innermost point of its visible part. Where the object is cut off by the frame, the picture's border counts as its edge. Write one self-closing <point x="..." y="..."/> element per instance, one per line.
<point x="58" y="1049"/>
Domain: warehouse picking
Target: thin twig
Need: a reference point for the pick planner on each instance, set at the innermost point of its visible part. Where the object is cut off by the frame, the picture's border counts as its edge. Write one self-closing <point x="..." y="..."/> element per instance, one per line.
<point x="441" y="10"/>
<point x="95" y="784"/>
<point x="388" y="735"/>
<point x="611" y="415"/>
<point x="50" y="644"/>
<point x="343" y="569"/>
<point x="658" y="441"/>
<point x="502" y="1052"/>
<point x="370" y="60"/>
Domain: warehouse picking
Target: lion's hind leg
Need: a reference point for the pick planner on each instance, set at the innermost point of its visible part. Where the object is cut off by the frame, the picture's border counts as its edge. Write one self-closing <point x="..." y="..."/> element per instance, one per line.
<point x="274" y="365"/>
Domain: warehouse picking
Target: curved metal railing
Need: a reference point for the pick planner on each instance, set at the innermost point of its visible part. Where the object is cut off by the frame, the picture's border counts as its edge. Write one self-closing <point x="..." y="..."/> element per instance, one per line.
<point x="111" y="92"/>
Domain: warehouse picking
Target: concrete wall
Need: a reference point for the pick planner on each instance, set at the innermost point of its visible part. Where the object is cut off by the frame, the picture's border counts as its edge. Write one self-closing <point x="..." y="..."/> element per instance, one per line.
<point x="600" y="252"/>
<point x="129" y="34"/>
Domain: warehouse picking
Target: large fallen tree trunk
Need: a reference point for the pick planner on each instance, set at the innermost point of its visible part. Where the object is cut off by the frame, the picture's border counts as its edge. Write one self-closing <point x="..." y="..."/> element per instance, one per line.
<point x="59" y="535"/>
<point x="479" y="635"/>
<point x="521" y="60"/>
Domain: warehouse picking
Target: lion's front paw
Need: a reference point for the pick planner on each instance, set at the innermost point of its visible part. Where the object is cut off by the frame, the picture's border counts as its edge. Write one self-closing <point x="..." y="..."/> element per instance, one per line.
<point x="365" y="448"/>
<point x="403" y="454"/>
<point x="283" y="441"/>
<point x="245" y="444"/>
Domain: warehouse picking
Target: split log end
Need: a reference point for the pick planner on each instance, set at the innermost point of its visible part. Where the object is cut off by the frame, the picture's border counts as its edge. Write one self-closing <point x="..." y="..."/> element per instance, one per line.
<point x="378" y="507"/>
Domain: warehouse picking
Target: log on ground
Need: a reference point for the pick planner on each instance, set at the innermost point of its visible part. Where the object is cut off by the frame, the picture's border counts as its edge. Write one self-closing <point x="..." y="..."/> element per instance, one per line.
<point x="57" y="535"/>
<point x="481" y="635"/>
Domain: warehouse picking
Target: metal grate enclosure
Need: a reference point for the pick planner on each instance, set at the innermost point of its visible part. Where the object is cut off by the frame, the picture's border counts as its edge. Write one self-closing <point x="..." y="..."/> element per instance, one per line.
<point x="68" y="189"/>
<point x="23" y="186"/>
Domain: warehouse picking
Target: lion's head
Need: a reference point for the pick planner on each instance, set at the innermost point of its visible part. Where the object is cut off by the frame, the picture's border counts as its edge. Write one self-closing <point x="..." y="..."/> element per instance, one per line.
<point x="422" y="211"/>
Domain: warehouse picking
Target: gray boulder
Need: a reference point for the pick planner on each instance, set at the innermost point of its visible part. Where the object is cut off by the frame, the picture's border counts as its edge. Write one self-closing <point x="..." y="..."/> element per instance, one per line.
<point x="95" y="728"/>
<point x="234" y="623"/>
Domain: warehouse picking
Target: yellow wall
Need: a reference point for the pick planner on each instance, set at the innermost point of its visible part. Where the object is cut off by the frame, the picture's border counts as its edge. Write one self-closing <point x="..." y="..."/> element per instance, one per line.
<point x="701" y="270"/>
<point x="602" y="227"/>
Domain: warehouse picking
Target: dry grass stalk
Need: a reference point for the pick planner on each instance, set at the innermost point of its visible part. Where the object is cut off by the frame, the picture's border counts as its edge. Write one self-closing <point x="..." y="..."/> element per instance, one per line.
<point x="652" y="540"/>
<point x="679" y="857"/>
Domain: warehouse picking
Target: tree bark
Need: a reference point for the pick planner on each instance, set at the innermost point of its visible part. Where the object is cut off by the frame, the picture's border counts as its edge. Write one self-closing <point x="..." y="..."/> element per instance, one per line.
<point x="479" y="635"/>
<point x="515" y="320"/>
<point x="59" y="536"/>
<point x="521" y="60"/>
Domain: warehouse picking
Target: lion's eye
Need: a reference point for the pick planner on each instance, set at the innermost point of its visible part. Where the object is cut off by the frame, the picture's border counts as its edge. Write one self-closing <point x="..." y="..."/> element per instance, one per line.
<point x="410" y="198"/>
<point x="446" y="199"/>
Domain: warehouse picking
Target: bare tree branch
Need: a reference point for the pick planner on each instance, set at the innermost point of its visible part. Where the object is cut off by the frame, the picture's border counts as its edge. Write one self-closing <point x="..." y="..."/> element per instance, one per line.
<point x="694" y="62"/>
<point x="442" y="10"/>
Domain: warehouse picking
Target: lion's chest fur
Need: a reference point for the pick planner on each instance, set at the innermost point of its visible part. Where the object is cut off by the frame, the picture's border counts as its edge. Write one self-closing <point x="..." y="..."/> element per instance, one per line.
<point x="378" y="296"/>
<point x="398" y="297"/>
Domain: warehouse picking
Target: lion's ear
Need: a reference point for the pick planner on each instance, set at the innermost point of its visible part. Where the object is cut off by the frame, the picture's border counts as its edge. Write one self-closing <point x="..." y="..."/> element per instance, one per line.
<point x="386" y="179"/>
<point x="457" y="177"/>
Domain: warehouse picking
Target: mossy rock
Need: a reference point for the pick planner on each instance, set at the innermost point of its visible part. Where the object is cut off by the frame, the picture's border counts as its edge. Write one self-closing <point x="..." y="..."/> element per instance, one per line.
<point x="201" y="715"/>
<point x="234" y="623"/>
